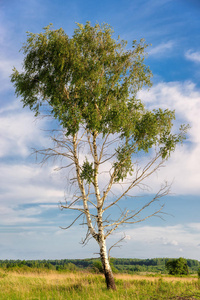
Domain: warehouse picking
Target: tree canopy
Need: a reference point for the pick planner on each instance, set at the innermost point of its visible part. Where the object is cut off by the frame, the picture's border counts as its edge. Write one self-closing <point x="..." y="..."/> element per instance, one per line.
<point x="91" y="79"/>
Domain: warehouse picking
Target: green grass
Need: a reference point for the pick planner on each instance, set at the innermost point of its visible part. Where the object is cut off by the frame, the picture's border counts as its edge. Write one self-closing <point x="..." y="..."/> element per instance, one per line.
<point x="84" y="286"/>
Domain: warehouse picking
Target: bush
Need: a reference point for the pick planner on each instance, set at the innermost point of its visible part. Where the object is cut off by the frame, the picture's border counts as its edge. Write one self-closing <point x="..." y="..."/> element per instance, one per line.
<point x="97" y="266"/>
<point x="177" y="266"/>
<point x="67" y="267"/>
<point x="198" y="272"/>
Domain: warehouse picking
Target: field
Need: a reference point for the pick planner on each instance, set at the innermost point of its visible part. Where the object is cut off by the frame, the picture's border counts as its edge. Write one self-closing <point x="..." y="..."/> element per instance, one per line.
<point x="53" y="285"/>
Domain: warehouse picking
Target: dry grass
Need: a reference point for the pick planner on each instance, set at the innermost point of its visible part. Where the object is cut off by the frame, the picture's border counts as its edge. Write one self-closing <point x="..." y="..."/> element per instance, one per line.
<point x="53" y="285"/>
<point x="52" y="275"/>
<point x="164" y="278"/>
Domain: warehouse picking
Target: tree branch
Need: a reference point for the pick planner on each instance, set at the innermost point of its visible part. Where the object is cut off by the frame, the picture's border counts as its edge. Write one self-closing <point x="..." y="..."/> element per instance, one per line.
<point x="72" y="222"/>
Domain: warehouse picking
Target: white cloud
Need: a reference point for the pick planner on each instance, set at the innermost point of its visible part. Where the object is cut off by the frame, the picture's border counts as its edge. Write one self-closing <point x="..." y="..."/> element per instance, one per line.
<point x="183" y="165"/>
<point x="48" y="206"/>
<point x="14" y="216"/>
<point x="193" y="56"/>
<point x="171" y="242"/>
<point x="44" y="242"/>
<point x="29" y="184"/>
<point x="6" y="66"/>
<point x="23" y="181"/>
<point x="166" y="241"/>
<point x="161" y="49"/>
<point x="194" y="226"/>
<point x="19" y="132"/>
<point x="164" y="235"/>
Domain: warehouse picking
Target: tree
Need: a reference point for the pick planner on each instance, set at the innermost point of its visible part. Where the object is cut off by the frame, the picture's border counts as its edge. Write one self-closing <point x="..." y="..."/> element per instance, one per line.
<point x="89" y="83"/>
<point x="177" y="266"/>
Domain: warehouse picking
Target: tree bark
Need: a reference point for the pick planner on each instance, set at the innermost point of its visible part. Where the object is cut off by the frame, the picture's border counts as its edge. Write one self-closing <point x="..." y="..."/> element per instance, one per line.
<point x="101" y="237"/>
<point x="110" y="282"/>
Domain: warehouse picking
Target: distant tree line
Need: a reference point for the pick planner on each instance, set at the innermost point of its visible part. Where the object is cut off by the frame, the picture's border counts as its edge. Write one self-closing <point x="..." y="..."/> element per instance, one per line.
<point x="119" y="265"/>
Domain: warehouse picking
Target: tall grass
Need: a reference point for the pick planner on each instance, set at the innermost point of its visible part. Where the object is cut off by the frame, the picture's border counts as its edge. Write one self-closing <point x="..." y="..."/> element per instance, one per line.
<point x="85" y="286"/>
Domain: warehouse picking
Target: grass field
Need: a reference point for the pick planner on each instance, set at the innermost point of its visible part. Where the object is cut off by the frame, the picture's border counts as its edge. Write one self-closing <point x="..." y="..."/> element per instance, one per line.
<point x="81" y="285"/>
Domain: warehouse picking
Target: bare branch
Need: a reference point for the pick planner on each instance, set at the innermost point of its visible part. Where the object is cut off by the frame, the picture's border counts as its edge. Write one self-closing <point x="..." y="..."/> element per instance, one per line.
<point x="138" y="179"/>
<point x="80" y="139"/>
<point x="116" y="245"/>
<point x="72" y="203"/>
<point x="63" y="167"/>
<point x="81" y="187"/>
<point x="88" y="236"/>
<point x="128" y="217"/>
<point x="72" y="222"/>
<point x="73" y="208"/>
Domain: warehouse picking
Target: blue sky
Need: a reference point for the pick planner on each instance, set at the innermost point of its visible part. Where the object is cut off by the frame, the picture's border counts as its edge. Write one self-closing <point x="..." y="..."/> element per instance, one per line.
<point x="29" y="194"/>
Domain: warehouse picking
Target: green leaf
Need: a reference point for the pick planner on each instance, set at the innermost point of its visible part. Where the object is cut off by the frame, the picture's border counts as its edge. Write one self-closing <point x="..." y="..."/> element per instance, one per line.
<point x="87" y="172"/>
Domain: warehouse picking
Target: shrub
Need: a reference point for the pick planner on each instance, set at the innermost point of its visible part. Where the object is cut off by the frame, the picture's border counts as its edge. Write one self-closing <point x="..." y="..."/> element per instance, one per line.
<point x="198" y="272"/>
<point x="177" y="266"/>
<point x="97" y="266"/>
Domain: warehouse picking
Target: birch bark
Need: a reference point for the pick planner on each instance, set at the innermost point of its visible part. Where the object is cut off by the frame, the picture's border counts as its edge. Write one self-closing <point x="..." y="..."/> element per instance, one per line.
<point x="110" y="282"/>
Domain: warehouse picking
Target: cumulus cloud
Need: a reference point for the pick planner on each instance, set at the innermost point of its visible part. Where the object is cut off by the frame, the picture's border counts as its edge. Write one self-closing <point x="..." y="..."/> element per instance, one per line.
<point x="18" y="133"/>
<point x="193" y="56"/>
<point x="166" y="241"/>
<point x="171" y="242"/>
<point x="194" y="226"/>
<point x="29" y="184"/>
<point x="182" y="168"/>
<point x="183" y="165"/>
<point x="6" y="66"/>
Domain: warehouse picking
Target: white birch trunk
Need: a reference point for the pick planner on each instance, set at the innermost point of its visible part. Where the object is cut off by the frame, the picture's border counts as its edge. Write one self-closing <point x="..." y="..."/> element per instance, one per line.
<point x="103" y="254"/>
<point x="101" y="237"/>
<point x="106" y="265"/>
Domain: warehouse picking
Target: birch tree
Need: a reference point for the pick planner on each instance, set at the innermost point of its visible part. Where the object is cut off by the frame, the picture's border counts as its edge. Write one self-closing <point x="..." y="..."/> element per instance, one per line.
<point x="89" y="83"/>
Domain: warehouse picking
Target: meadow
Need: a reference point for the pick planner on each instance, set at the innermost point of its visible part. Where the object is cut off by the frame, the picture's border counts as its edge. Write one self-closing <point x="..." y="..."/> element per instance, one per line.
<point x="54" y="285"/>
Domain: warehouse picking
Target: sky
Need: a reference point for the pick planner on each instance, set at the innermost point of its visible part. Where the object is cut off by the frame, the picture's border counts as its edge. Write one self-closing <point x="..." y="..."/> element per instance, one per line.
<point x="30" y="217"/>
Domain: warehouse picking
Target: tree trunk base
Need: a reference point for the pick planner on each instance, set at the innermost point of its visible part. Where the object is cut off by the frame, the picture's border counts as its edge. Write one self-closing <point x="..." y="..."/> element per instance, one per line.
<point x="110" y="280"/>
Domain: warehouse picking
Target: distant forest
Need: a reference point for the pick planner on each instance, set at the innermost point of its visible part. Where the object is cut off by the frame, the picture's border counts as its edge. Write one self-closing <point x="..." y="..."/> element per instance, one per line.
<point x="119" y="265"/>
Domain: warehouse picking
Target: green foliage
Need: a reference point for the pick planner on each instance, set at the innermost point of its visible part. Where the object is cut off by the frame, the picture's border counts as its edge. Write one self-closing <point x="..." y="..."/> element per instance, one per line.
<point x="123" y="166"/>
<point x="91" y="79"/>
<point x="113" y="268"/>
<point x="87" y="172"/>
<point x="177" y="266"/>
<point x="67" y="267"/>
<point x="83" y="77"/>
<point x="48" y="265"/>
<point x="198" y="272"/>
<point x="97" y="266"/>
